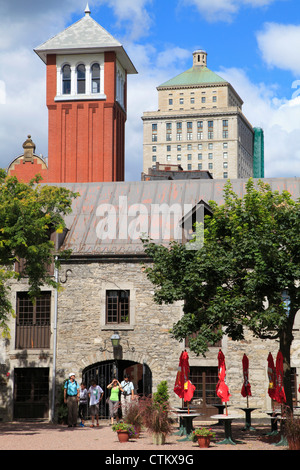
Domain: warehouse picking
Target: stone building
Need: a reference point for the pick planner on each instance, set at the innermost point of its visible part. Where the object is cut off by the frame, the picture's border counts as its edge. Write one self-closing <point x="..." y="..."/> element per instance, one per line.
<point x="105" y="290"/>
<point x="200" y="125"/>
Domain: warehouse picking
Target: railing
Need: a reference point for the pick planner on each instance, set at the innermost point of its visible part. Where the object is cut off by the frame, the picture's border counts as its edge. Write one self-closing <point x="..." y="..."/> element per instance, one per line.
<point x="33" y="336"/>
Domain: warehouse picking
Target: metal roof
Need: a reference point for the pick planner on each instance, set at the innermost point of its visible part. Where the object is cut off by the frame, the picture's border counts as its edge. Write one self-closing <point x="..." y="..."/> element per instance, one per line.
<point x="194" y="76"/>
<point x="142" y="199"/>
<point x="85" y="36"/>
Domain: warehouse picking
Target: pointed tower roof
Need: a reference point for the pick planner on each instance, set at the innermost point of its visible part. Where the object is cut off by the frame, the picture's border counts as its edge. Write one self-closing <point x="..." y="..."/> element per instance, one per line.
<point x="85" y="36"/>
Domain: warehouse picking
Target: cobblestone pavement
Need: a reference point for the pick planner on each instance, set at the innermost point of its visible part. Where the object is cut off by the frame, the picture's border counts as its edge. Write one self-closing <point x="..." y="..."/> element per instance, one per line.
<point x="46" y="436"/>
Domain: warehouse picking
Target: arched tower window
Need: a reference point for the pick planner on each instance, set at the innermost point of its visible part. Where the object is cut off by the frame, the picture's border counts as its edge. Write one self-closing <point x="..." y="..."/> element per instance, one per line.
<point x="80" y="79"/>
<point x="95" y="78"/>
<point x="66" y="79"/>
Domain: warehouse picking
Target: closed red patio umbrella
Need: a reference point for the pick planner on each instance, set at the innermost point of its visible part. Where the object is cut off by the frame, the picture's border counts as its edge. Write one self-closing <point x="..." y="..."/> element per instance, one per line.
<point x="222" y="389"/>
<point x="246" y="388"/>
<point x="279" y="391"/>
<point x="272" y="377"/>
<point x="183" y="386"/>
<point x="182" y="374"/>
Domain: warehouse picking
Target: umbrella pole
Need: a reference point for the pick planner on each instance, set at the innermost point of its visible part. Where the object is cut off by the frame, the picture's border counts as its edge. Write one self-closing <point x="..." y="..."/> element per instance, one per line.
<point x="247" y="401"/>
<point x="226" y="408"/>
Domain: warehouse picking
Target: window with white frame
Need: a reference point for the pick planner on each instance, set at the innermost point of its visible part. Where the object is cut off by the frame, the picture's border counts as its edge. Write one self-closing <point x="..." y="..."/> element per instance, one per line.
<point x="80" y="77"/>
<point x="66" y="79"/>
<point x="117" y="306"/>
<point x="80" y="73"/>
<point x="95" y="78"/>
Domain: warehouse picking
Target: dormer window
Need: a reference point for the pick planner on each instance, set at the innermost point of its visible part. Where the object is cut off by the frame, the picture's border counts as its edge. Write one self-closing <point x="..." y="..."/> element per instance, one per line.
<point x="81" y="79"/>
<point x="66" y="79"/>
<point x="95" y="78"/>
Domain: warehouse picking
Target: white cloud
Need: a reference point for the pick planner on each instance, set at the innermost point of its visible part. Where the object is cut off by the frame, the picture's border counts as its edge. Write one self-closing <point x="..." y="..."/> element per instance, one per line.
<point x="24" y="26"/>
<point x="279" y="119"/>
<point x="224" y="10"/>
<point x="135" y="16"/>
<point x="279" y="45"/>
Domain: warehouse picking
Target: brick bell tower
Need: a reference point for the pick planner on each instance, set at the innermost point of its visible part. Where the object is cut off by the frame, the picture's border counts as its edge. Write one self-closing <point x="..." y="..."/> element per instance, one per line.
<point x="86" y="98"/>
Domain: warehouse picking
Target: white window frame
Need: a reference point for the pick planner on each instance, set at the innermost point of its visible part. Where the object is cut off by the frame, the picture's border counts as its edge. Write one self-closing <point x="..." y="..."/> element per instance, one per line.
<point x="73" y="61"/>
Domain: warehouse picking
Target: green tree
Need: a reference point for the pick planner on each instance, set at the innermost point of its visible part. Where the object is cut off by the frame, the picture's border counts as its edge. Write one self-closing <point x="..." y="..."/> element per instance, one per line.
<point x="246" y="274"/>
<point x="28" y="213"/>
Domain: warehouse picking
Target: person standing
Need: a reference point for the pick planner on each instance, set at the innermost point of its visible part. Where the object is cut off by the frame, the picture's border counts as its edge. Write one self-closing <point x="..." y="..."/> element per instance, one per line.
<point x="95" y="394"/>
<point x="127" y="394"/>
<point x="83" y="401"/>
<point x="114" y="401"/>
<point x="71" y="398"/>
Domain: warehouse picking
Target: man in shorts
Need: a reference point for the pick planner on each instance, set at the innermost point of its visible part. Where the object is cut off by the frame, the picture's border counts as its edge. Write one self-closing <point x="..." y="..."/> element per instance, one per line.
<point x="95" y="395"/>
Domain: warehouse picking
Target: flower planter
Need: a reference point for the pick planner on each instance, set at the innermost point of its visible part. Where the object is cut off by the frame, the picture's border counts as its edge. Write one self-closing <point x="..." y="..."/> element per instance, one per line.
<point x="123" y="436"/>
<point x="158" y="438"/>
<point x="203" y="441"/>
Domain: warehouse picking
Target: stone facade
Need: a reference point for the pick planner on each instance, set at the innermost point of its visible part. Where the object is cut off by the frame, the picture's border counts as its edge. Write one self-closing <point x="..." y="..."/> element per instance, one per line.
<point x="82" y="330"/>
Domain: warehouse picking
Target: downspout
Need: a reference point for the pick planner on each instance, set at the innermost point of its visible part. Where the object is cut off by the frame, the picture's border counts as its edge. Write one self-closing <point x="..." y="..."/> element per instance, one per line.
<point x="54" y="341"/>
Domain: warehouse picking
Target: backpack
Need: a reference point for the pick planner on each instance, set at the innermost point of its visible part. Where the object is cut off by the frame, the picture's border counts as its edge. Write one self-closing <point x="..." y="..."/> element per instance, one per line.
<point x="67" y="384"/>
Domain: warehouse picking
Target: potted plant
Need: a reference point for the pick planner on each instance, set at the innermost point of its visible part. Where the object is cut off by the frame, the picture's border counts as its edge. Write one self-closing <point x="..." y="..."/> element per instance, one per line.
<point x="156" y="414"/>
<point x="203" y="436"/>
<point x="292" y="432"/>
<point x="133" y="415"/>
<point x="124" y="431"/>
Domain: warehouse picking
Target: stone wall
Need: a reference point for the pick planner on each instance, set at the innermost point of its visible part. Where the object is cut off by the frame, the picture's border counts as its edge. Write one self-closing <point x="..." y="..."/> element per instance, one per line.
<point x="81" y="332"/>
<point x="81" y="321"/>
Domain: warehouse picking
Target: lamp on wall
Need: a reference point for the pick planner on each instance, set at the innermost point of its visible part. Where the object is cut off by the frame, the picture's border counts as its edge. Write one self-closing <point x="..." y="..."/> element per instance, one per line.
<point x="115" y="341"/>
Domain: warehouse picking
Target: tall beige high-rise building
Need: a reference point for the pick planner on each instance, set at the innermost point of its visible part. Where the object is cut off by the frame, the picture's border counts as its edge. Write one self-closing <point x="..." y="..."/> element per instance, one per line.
<point x="199" y="124"/>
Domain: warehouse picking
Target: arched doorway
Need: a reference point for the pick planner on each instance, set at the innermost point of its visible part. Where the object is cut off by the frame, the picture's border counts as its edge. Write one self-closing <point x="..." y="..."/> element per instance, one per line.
<point x="104" y="372"/>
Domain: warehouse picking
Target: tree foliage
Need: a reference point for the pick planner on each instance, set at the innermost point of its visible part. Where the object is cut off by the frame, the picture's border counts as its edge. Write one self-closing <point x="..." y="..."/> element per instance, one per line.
<point x="28" y="213"/>
<point x="250" y="257"/>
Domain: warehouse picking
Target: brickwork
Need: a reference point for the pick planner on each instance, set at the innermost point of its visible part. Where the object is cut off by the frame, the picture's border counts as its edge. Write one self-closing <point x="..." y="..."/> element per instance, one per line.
<point x="86" y="138"/>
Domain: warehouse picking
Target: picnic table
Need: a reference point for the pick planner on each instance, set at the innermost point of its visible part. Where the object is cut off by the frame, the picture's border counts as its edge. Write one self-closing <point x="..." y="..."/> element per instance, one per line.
<point x="274" y="422"/>
<point x="185" y="423"/>
<point x="248" y="412"/>
<point x="226" y="419"/>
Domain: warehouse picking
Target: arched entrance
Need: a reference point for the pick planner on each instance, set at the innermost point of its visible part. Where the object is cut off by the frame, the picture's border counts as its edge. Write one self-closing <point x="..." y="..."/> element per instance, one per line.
<point x="104" y="372"/>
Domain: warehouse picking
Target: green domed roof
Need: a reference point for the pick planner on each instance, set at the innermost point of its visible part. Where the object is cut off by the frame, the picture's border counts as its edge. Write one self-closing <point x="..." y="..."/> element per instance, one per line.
<point x="194" y="76"/>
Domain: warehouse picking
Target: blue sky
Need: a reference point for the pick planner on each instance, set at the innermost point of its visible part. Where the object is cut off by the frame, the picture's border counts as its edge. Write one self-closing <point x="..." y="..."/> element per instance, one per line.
<point x="254" y="44"/>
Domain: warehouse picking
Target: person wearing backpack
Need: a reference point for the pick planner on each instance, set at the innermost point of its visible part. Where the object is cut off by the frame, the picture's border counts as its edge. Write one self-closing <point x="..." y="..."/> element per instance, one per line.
<point x="71" y="398"/>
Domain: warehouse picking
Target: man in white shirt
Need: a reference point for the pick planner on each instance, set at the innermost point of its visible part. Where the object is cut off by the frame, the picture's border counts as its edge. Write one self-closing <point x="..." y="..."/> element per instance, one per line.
<point x="128" y="393"/>
<point x="95" y="394"/>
